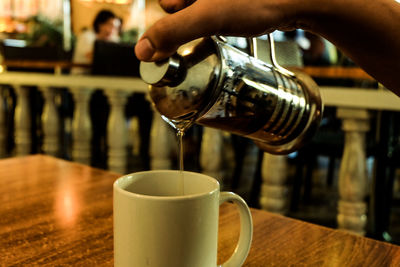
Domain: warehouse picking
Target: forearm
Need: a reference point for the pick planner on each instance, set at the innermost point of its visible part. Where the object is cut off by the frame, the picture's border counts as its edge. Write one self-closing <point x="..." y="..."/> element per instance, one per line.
<point x="366" y="31"/>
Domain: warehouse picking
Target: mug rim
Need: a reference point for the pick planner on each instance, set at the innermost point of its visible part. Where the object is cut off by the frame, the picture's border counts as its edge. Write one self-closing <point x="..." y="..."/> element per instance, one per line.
<point x="121" y="190"/>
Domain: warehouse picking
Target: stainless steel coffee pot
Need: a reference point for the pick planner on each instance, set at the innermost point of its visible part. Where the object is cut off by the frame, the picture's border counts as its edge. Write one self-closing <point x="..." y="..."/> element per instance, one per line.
<point x="211" y="83"/>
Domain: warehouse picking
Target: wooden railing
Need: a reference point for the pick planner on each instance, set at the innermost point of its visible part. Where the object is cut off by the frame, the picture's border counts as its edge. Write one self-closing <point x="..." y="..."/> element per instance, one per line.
<point x="354" y="108"/>
<point x="117" y="90"/>
<point x="81" y="87"/>
<point x="354" y="105"/>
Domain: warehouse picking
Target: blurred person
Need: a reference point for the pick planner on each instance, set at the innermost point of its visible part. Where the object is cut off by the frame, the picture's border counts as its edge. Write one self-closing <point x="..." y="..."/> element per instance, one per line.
<point x="316" y="54"/>
<point x="106" y="27"/>
<point x="315" y="49"/>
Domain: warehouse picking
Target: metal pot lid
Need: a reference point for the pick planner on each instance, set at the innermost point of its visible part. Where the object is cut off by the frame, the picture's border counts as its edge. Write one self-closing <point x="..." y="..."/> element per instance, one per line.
<point x="182" y="85"/>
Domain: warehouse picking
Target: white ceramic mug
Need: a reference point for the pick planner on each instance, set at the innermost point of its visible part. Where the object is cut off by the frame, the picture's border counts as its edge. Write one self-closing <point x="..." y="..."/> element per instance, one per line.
<point x="154" y="225"/>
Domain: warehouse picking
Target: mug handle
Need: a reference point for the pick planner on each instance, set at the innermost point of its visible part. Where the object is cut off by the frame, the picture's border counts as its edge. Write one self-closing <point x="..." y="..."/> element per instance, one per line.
<point x="246" y="230"/>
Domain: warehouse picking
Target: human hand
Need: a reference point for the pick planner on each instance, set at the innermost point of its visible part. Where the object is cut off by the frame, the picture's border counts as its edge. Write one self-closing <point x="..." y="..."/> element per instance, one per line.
<point x="195" y="19"/>
<point x="350" y="25"/>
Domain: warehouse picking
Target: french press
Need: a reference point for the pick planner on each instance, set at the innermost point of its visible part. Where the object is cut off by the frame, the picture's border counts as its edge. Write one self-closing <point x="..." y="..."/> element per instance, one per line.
<point x="214" y="84"/>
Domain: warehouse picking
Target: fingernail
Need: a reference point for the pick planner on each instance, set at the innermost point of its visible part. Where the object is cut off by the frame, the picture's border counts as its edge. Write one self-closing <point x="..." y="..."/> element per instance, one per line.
<point x="144" y="49"/>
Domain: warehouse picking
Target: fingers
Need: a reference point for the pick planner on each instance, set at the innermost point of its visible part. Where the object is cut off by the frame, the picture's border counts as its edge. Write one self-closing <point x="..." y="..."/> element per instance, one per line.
<point x="166" y="35"/>
<point x="209" y="17"/>
<point x="172" y="6"/>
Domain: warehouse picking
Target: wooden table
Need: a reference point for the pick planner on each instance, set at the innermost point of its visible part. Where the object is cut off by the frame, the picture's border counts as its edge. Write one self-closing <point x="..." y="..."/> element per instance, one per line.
<point x="336" y="72"/>
<point x="58" y="213"/>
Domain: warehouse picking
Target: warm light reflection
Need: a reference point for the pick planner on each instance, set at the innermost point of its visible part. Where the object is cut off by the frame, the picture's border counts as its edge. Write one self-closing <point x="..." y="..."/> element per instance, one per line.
<point x="6" y="25"/>
<point x="186" y="52"/>
<point x="67" y="204"/>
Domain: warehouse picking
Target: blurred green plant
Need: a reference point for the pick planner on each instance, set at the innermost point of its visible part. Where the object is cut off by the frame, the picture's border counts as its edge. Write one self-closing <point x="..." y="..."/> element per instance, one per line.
<point x="129" y="36"/>
<point x="43" y="32"/>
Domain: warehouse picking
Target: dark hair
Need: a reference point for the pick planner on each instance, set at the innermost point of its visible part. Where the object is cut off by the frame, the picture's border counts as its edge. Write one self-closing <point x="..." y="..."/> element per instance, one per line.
<point x="102" y="17"/>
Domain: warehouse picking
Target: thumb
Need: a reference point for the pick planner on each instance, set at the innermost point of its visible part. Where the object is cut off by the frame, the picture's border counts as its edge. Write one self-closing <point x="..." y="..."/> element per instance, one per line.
<point x="164" y="37"/>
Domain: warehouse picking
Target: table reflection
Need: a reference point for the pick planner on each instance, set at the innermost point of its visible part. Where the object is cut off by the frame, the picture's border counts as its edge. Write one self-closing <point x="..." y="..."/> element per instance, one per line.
<point x="66" y="205"/>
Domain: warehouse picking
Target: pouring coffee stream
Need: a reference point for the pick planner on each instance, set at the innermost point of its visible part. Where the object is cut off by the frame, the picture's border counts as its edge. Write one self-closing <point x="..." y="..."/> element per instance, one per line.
<point x="213" y="84"/>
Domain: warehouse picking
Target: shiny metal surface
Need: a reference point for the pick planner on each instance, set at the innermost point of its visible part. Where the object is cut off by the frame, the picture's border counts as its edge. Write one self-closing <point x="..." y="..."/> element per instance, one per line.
<point x="227" y="89"/>
<point x="303" y="119"/>
<point x="189" y="98"/>
<point x="169" y="72"/>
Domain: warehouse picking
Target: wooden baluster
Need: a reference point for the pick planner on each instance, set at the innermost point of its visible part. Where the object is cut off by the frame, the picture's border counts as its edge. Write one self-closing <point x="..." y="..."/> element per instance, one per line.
<point x="50" y="122"/>
<point x="352" y="208"/>
<point x="3" y="128"/>
<point x="117" y="131"/>
<point x="250" y="166"/>
<point x="22" y="122"/>
<point x="274" y="191"/>
<point x="162" y="142"/>
<point x="81" y="126"/>
<point x="134" y="135"/>
<point x="210" y="154"/>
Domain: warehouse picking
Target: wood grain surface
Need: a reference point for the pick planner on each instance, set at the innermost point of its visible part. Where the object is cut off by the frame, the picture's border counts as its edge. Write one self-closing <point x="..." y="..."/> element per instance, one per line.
<point x="59" y="213"/>
<point x="54" y="213"/>
<point x="333" y="72"/>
